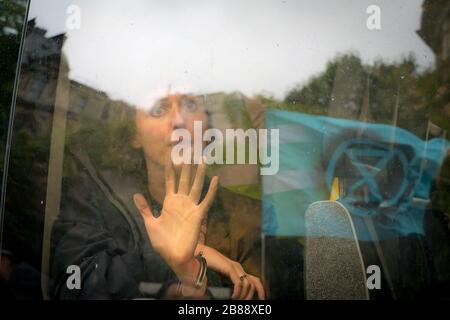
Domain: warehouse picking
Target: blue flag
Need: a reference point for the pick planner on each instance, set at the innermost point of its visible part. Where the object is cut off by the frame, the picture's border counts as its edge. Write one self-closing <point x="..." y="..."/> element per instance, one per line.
<point x="384" y="173"/>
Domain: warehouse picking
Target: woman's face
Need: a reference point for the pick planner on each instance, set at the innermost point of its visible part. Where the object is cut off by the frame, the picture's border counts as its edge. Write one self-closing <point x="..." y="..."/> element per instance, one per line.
<point x="154" y="127"/>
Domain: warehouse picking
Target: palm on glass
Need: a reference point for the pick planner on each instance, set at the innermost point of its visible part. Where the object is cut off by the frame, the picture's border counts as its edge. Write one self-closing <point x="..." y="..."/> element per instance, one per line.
<point x="175" y="233"/>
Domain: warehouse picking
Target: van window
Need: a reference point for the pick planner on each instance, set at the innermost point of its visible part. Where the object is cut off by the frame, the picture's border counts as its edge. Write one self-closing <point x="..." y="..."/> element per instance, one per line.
<point x="322" y="128"/>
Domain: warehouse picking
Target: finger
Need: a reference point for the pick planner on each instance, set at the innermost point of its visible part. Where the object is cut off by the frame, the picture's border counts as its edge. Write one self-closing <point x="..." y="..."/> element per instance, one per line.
<point x="185" y="179"/>
<point x="237" y="284"/>
<point x="209" y="198"/>
<point x="251" y="292"/>
<point x="245" y="288"/>
<point x="197" y="186"/>
<point x="245" y="284"/>
<point x="143" y="207"/>
<point x="170" y="177"/>
<point x="259" y="287"/>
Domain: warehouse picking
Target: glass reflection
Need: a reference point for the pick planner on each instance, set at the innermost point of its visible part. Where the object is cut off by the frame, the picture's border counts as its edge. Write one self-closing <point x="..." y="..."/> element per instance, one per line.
<point x="362" y="116"/>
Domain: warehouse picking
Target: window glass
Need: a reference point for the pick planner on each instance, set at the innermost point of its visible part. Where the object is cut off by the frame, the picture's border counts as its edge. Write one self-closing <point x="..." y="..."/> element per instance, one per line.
<point x="321" y="129"/>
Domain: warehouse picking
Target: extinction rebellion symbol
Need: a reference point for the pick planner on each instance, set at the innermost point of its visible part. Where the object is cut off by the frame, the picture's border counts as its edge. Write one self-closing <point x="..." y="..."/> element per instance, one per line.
<point x="367" y="161"/>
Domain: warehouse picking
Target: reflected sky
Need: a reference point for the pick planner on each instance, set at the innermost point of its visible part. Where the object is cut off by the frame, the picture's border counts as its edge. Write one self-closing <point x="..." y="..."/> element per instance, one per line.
<point x="135" y="48"/>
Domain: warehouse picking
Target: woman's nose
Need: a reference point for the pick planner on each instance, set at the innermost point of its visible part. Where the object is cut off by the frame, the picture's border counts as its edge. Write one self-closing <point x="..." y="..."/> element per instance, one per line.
<point x="178" y="120"/>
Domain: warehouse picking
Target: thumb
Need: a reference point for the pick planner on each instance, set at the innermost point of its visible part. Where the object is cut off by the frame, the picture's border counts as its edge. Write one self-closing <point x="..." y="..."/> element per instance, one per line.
<point x="143" y="207"/>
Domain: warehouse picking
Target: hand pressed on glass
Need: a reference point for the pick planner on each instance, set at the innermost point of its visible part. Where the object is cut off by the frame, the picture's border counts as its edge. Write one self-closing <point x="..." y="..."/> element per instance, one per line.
<point x="175" y="234"/>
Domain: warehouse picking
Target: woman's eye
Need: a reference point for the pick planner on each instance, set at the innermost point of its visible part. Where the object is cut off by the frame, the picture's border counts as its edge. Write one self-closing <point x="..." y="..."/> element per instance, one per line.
<point x="159" y="109"/>
<point x="190" y="105"/>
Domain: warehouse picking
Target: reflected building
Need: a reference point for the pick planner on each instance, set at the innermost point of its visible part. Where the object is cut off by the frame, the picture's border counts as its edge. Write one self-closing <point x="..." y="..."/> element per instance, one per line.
<point x="435" y="32"/>
<point x="39" y="75"/>
<point x="233" y="111"/>
<point x="43" y="67"/>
